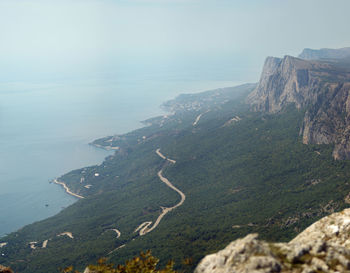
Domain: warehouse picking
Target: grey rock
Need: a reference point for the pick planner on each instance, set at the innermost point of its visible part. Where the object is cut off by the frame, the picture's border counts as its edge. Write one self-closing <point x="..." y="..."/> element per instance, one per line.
<point x="322" y="247"/>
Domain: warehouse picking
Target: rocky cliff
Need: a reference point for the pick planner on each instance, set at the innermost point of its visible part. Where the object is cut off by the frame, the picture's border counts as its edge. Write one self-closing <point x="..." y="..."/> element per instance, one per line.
<point x="322" y="247"/>
<point x="320" y="88"/>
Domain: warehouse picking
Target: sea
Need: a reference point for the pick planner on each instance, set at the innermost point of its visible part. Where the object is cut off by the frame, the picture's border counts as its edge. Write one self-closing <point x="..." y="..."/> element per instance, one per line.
<point x="46" y="127"/>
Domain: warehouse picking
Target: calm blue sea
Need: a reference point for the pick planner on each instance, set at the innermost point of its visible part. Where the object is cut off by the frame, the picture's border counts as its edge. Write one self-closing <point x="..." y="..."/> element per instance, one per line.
<point x="45" y="129"/>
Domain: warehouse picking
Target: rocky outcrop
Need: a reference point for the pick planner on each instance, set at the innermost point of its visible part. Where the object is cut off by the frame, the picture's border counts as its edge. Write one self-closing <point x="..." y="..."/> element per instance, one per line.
<point x="322" y="247"/>
<point x="4" y="269"/>
<point x="325" y="53"/>
<point x="320" y="88"/>
<point x="285" y="81"/>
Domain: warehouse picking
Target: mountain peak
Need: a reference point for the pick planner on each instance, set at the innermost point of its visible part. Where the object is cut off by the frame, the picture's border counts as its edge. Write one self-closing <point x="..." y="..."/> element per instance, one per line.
<point x="282" y="81"/>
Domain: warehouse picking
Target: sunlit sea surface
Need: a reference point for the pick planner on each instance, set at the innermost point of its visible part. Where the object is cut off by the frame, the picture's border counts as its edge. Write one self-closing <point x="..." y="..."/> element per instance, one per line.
<point x="45" y="129"/>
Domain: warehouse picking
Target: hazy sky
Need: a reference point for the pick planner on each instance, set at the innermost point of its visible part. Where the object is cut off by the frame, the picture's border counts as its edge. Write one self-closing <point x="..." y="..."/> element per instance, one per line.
<point x="50" y="36"/>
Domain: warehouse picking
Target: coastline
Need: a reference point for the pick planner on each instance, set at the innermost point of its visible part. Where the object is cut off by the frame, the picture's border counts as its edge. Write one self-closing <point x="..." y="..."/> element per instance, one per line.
<point x="108" y="148"/>
<point x="64" y="151"/>
<point x="67" y="189"/>
<point x="170" y="107"/>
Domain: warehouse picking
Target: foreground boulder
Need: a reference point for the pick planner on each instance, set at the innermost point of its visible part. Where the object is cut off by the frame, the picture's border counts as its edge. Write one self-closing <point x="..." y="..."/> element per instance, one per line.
<point x="4" y="269"/>
<point x="322" y="247"/>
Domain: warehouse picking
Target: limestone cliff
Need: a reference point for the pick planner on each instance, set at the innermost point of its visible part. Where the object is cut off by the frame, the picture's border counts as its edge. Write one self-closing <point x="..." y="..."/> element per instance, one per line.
<point x="285" y="81"/>
<point x="322" y="247"/>
<point x="320" y="88"/>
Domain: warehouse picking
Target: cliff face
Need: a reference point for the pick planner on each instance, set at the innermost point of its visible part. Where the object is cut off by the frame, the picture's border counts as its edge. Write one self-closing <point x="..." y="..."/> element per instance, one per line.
<point x="321" y="88"/>
<point x="322" y="247"/>
<point x="285" y="81"/>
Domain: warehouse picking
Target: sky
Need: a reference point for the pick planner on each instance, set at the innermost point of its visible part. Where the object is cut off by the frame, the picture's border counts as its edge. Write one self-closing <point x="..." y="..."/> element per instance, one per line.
<point x="41" y="38"/>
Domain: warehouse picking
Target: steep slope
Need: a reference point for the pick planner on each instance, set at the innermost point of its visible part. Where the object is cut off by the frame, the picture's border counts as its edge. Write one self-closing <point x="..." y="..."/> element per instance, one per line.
<point x="321" y="89"/>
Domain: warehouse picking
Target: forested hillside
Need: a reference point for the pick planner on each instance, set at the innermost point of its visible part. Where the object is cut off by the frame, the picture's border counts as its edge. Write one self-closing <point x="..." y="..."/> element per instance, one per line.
<point x="241" y="172"/>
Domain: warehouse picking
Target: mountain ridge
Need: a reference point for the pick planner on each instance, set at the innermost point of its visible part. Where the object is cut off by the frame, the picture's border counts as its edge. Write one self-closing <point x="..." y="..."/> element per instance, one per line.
<point x="325" y="53"/>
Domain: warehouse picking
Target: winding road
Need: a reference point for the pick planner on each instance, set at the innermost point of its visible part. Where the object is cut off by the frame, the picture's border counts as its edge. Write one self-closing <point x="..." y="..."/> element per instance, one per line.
<point x="198" y="118"/>
<point x="116" y="231"/>
<point x="145" y="228"/>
